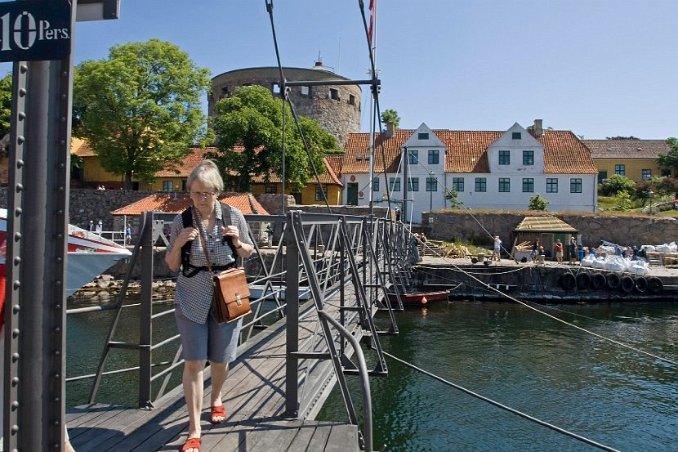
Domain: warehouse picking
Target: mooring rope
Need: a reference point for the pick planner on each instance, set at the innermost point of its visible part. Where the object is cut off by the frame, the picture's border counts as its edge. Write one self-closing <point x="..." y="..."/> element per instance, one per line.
<point x="504" y="407"/>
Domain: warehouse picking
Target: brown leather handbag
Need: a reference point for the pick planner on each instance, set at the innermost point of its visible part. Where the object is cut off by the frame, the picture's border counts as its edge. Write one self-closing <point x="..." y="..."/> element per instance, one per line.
<point x="231" y="295"/>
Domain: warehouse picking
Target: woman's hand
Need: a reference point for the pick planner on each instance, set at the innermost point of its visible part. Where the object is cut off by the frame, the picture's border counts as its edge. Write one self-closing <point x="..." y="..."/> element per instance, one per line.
<point x="234" y="233"/>
<point x="186" y="235"/>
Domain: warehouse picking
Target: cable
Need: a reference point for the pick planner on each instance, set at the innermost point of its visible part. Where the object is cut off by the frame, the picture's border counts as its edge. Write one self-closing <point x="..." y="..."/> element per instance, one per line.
<point x="504" y="407"/>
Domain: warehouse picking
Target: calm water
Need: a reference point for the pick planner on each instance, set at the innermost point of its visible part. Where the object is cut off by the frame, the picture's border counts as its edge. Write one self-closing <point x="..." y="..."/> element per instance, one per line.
<point x="524" y="360"/>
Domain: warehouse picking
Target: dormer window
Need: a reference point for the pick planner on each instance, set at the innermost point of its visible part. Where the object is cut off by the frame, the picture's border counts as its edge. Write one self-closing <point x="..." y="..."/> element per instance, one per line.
<point x="516" y="135"/>
<point x="422" y="136"/>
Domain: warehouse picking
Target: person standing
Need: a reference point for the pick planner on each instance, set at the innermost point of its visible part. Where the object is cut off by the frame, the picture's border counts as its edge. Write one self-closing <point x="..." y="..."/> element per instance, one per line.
<point x="496" y="254"/>
<point x="202" y="337"/>
<point x="559" y="251"/>
<point x="535" y="251"/>
<point x="573" y="249"/>
<point x="269" y="235"/>
<point x="99" y="227"/>
<point x="91" y="225"/>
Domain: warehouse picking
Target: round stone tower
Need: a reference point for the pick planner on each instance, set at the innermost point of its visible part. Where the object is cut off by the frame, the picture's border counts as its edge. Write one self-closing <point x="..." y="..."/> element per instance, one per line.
<point x="335" y="107"/>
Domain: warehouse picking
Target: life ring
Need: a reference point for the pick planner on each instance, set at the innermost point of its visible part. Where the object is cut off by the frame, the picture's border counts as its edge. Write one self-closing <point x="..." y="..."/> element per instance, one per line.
<point x="474" y="260"/>
<point x="597" y="281"/>
<point x="568" y="281"/>
<point x="655" y="285"/>
<point x="612" y="281"/>
<point x="626" y="284"/>
<point x="583" y="281"/>
<point x="641" y="284"/>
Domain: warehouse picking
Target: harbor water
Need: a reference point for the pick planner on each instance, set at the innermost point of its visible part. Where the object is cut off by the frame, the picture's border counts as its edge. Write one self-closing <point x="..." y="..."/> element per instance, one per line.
<point x="553" y="372"/>
<point x="503" y="351"/>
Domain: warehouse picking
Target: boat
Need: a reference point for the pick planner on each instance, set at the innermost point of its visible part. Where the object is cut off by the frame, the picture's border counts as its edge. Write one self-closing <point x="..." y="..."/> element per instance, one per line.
<point x="89" y="254"/>
<point x="418" y="298"/>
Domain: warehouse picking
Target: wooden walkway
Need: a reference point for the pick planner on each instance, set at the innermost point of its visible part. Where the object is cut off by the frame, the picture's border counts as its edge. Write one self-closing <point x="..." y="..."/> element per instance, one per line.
<point x="254" y="399"/>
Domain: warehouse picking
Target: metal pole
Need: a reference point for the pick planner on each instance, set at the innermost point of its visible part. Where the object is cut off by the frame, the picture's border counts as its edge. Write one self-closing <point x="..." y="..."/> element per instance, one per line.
<point x="292" y="302"/>
<point x="406" y="171"/>
<point x="145" y="324"/>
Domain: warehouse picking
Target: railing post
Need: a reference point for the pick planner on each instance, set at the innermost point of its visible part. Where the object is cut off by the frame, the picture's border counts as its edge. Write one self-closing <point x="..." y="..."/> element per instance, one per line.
<point x="292" y="301"/>
<point x="146" y="310"/>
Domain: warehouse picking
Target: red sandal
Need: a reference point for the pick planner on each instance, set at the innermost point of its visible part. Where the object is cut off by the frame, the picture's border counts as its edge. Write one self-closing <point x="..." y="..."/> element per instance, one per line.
<point x="217" y="411"/>
<point x="191" y="443"/>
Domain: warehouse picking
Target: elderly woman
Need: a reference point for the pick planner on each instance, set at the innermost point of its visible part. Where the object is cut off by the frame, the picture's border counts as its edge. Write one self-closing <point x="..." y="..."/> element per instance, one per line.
<point x="202" y="337"/>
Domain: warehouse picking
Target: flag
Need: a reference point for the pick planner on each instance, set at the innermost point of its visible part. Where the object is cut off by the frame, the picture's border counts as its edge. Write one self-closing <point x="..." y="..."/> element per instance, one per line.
<point x="371" y="26"/>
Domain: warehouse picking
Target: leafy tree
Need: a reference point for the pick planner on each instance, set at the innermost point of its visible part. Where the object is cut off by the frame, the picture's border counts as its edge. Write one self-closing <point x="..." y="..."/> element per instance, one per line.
<point x="140" y="109"/>
<point x="617" y="183"/>
<point x="623" y="202"/>
<point x="668" y="185"/>
<point x="452" y="196"/>
<point x="390" y="116"/>
<point x="670" y="159"/>
<point x="252" y="118"/>
<point x="537" y="203"/>
<point x="5" y="103"/>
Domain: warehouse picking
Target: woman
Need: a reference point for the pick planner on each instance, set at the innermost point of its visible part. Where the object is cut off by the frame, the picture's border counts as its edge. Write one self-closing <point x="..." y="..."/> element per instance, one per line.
<point x="202" y="337"/>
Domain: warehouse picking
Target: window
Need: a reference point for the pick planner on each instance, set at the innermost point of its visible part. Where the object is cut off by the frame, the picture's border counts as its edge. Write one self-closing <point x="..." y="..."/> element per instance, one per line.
<point x="167" y="185"/>
<point x="413" y="157"/>
<point x="351" y="99"/>
<point x="481" y="184"/>
<point x="528" y="158"/>
<point x="602" y="176"/>
<point x="422" y="136"/>
<point x="433" y="157"/>
<point x="394" y="183"/>
<point x="504" y="185"/>
<point x="458" y="184"/>
<point x="620" y="169"/>
<point x="575" y="185"/>
<point x="320" y="192"/>
<point x="431" y="184"/>
<point x="375" y="184"/>
<point x="224" y="92"/>
<point x="271" y="188"/>
<point x="275" y="87"/>
<point x="504" y="157"/>
<point x="305" y="91"/>
<point x="551" y="185"/>
<point x="646" y="174"/>
<point x="413" y="184"/>
<point x="516" y="135"/>
<point x="334" y="94"/>
<point x="528" y="185"/>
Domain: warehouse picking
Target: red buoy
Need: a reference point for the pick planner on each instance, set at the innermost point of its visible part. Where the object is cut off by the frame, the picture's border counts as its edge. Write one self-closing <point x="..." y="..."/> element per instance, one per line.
<point x="424" y="300"/>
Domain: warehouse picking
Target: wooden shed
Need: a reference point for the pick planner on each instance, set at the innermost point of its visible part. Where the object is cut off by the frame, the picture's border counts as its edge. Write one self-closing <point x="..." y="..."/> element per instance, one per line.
<point x="547" y="230"/>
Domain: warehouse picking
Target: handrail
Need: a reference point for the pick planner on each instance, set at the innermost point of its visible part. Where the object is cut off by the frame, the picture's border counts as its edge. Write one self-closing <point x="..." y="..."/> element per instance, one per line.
<point x="364" y="378"/>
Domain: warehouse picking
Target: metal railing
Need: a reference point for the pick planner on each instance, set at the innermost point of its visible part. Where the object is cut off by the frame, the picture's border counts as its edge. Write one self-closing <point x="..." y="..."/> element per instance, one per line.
<point x="332" y="272"/>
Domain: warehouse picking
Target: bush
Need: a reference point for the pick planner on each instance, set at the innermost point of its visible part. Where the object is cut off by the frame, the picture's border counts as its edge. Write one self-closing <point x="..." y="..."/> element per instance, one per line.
<point x="617" y="184"/>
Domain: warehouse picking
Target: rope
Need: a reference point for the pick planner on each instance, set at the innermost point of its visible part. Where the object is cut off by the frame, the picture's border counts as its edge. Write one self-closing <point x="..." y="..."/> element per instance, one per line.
<point x="504" y="407"/>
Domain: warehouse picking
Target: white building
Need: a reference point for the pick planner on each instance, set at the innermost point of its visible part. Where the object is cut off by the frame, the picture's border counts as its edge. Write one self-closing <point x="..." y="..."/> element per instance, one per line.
<point x="488" y="169"/>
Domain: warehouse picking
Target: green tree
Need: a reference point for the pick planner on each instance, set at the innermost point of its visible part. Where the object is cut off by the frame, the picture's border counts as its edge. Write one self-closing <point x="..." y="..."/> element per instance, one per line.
<point x="670" y="159"/>
<point x="140" y="109"/>
<point x="390" y="116"/>
<point x="5" y="103"/>
<point x="623" y="202"/>
<point x="537" y="203"/>
<point x="616" y="184"/>
<point x="453" y="197"/>
<point x="251" y="118"/>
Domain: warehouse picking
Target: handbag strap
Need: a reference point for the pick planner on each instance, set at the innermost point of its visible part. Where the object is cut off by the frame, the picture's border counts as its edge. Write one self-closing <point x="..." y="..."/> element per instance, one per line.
<point x="203" y="233"/>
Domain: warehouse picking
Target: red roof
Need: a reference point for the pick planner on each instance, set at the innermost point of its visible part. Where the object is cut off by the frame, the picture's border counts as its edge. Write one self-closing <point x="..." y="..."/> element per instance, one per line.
<point x="173" y="203"/>
<point x="564" y="153"/>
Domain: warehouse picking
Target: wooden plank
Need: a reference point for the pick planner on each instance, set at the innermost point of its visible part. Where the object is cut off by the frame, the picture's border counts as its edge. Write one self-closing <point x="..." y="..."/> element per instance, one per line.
<point x="320" y="436"/>
<point x="342" y="437"/>
<point x="303" y="437"/>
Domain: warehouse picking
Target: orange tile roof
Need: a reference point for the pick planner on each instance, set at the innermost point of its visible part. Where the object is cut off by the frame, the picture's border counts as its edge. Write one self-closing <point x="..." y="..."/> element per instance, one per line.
<point x="328" y="177"/>
<point x="627" y="149"/>
<point x="564" y="153"/>
<point x="81" y="148"/>
<point x="177" y="203"/>
<point x="184" y="168"/>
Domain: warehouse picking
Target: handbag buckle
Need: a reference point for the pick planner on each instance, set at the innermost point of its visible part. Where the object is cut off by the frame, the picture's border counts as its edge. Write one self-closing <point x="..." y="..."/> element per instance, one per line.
<point x="237" y="300"/>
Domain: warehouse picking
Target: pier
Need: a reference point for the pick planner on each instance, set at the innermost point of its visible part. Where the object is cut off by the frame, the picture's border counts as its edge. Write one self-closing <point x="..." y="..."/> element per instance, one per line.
<point x="316" y="300"/>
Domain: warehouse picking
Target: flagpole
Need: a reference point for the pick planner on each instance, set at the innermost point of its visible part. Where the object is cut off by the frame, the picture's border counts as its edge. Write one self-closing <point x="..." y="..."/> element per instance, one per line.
<point x="372" y="36"/>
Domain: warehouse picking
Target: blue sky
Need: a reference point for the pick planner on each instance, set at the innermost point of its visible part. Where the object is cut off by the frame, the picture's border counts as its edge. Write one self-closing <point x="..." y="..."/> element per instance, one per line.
<point x="596" y="67"/>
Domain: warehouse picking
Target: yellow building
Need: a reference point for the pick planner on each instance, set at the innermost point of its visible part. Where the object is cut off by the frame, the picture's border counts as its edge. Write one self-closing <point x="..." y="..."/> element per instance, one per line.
<point x="88" y="172"/>
<point x="633" y="158"/>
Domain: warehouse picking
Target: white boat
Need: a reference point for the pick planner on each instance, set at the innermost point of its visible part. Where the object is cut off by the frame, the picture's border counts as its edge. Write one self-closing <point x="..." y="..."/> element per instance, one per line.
<point x="89" y="254"/>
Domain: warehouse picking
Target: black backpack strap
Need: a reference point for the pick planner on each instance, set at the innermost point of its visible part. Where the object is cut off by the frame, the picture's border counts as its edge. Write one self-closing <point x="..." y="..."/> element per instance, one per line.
<point x="186" y="268"/>
<point x="226" y="221"/>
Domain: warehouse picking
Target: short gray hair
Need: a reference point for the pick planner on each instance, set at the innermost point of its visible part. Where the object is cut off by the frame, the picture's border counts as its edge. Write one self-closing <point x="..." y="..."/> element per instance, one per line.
<point x="206" y="172"/>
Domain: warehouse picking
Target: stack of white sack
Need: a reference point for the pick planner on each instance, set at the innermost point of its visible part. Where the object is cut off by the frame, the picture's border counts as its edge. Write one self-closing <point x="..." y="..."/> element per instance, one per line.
<point x="615" y="264"/>
<point x="666" y="248"/>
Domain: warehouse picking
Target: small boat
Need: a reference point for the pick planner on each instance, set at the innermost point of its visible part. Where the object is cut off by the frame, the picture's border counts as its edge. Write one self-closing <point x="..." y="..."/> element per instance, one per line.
<point x="419" y="298"/>
<point x="89" y="254"/>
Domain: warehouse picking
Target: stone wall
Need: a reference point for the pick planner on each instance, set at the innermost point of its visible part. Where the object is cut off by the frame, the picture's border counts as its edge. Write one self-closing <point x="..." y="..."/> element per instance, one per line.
<point x="622" y="229"/>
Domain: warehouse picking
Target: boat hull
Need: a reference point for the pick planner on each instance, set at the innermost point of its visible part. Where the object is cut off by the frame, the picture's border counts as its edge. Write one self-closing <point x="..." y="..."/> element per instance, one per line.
<point x="419" y="298"/>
